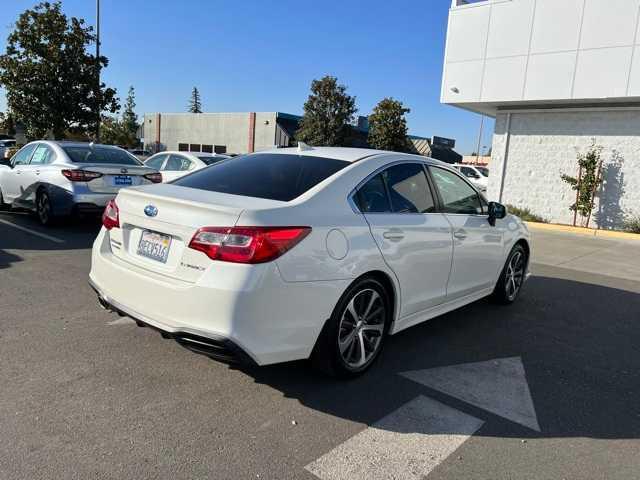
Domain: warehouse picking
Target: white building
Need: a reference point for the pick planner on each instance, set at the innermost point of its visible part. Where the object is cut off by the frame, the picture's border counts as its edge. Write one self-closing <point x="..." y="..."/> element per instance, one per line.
<point x="555" y="74"/>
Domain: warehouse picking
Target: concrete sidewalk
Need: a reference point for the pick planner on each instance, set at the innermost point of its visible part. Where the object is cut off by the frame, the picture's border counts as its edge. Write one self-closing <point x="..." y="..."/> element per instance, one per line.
<point x="612" y="257"/>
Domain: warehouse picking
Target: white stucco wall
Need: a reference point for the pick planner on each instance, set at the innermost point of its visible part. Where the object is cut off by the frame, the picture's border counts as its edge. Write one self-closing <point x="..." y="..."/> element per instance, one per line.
<point x="543" y="145"/>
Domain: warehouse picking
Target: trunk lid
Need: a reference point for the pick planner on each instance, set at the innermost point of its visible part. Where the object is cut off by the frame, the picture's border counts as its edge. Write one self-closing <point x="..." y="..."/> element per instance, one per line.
<point x="114" y="176"/>
<point x="174" y="215"/>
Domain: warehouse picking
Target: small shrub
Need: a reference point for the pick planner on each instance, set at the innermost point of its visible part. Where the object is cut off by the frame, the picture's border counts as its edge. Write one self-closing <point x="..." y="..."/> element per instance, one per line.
<point x="632" y="224"/>
<point x="526" y="214"/>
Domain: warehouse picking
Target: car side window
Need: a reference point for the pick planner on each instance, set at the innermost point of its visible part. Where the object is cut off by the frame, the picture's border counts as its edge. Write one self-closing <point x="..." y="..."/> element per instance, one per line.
<point x="23" y="156"/>
<point x="156" y="162"/>
<point x="42" y="155"/>
<point x="409" y="189"/>
<point x="372" y="196"/>
<point x="469" y="172"/>
<point x="177" y="163"/>
<point x="456" y="194"/>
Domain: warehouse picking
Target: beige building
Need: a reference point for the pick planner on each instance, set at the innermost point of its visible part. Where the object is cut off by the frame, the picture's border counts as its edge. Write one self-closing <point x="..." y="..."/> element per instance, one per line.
<point x="219" y="132"/>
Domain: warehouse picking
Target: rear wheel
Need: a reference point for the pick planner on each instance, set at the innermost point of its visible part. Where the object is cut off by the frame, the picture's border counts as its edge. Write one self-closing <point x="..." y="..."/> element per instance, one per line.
<point x="44" y="209"/>
<point x="512" y="276"/>
<point x="354" y="335"/>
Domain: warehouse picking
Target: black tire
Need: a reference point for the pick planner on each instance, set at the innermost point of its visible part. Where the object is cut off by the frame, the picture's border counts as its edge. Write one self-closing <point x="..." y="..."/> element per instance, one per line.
<point x="512" y="277"/>
<point x="3" y="206"/>
<point x="44" y="209"/>
<point x="338" y="351"/>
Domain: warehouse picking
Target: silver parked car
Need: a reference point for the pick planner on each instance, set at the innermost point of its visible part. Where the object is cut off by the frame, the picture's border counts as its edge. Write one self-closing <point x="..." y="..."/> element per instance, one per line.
<point x="5" y="145"/>
<point x="57" y="179"/>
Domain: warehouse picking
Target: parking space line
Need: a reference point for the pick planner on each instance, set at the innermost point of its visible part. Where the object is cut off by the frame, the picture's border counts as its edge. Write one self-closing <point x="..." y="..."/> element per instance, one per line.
<point x="33" y="232"/>
<point x="407" y="444"/>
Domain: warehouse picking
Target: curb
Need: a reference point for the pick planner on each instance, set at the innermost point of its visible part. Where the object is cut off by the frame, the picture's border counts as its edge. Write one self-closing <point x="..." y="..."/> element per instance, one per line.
<point x="583" y="231"/>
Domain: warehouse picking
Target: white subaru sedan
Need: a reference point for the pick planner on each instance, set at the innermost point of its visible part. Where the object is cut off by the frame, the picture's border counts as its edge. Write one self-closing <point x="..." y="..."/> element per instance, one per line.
<point x="317" y="253"/>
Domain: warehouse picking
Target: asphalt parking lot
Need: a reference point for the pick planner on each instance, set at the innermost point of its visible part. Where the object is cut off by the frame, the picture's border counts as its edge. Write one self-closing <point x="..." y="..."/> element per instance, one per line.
<point x="547" y="388"/>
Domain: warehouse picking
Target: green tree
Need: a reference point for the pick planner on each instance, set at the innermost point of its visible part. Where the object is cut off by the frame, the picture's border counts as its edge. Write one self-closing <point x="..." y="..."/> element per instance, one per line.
<point x="388" y="126"/>
<point x="49" y="77"/>
<point x="586" y="185"/>
<point x="7" y="124"/>
<point x="327" y="114"/>
<point x="195" y="103"/>
<point x="130" y="119"/>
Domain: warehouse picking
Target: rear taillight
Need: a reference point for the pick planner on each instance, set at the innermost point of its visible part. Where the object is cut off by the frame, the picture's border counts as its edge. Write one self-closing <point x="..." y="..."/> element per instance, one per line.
<point x="154" y="177"/>
<point x="247" y="244"/>
<point x="111" y="215"/>
<point x="80" y="175"/>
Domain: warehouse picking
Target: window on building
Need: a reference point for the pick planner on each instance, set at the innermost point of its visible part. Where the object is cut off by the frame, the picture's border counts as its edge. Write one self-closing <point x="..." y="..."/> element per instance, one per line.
<point x="207" y="148"/>
<point x="194" y="147"/>
<point x="183" y="147"/>
<point x="220" y="149"/>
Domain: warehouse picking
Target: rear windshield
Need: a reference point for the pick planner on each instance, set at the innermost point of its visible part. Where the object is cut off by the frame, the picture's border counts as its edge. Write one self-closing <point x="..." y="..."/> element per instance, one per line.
<point x="96" y="154"/>
<point x="264" y="175"/>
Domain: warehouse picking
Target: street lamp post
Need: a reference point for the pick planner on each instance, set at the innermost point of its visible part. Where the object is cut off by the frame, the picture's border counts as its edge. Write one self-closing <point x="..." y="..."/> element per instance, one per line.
<point x="98" y="71"/>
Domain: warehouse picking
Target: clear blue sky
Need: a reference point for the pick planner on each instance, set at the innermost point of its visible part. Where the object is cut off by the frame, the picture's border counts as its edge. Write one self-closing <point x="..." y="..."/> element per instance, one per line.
<point x="257" y="55"/>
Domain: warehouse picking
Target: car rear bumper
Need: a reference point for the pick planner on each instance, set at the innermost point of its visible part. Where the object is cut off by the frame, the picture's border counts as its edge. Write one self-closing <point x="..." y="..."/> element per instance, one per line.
<point x="248" y="310"/>
<point x="214" y="346"/>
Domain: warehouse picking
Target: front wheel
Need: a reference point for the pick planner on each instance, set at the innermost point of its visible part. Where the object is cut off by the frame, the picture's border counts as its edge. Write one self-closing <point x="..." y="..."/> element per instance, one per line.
<point x="354" y="335"/>
<point x="512" y="277"/>
<point x="3" y="206"/>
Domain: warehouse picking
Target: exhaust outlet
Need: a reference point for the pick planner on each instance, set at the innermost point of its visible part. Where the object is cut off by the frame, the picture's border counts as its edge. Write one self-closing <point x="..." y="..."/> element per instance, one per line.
<point x="104" y="304"/>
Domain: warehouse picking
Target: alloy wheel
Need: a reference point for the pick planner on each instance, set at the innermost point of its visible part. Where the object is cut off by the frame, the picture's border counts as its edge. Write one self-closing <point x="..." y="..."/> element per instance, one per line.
<point x="44" y="208"/>
<point x="514" y="275"/>
<point x="361" y="328"/>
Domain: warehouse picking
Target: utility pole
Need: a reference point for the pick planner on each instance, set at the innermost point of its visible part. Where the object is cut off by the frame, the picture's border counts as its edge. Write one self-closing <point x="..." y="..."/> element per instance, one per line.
<point x="98" y="119"/>
<point x="479" y="136"/>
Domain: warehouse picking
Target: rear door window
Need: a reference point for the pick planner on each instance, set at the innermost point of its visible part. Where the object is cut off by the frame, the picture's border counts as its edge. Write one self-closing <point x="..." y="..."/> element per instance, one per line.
<point x="42" y="155"/>
<point x="156" y="162"/>
<point x="273" y="176"/>
<point x="409" y="190"/>
<point x="24" y="156"/>
<point x="177" y="163"/>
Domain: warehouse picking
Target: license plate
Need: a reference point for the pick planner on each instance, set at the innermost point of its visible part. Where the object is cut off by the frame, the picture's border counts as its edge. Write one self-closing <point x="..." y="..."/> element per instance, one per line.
<point x="154" y="245"/>
<point x="122" y="180"/>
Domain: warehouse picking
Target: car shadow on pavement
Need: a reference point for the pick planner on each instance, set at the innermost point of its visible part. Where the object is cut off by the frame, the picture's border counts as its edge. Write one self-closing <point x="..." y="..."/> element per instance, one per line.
<point x="22" y="231"/>
<point x="7" y="259"/>
<point x="579" y="343"/>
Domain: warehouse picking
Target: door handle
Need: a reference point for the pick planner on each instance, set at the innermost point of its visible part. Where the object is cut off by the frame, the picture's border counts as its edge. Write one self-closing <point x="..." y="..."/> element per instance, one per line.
<point x="460" y="234"/>
<point x="37" y="172"/>
<point x="393" y="235"/>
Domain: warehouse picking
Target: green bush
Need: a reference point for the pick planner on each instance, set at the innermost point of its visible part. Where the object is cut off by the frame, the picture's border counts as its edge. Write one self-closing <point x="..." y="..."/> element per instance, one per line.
<point x="526" y="214"/>
<point x="632" y="224"/>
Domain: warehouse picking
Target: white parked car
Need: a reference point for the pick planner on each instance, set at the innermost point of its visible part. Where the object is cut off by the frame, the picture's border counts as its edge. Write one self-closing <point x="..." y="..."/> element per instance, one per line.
<point x="476" y="174"/>
<point x="302" y="253"/>
<point x="57" y="179"/>
<point x="174" y="165"/>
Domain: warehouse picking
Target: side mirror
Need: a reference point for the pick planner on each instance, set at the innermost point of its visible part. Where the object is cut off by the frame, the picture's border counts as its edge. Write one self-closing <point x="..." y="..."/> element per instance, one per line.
<point x="496" y="211"/>
<point x="6" y="162"/>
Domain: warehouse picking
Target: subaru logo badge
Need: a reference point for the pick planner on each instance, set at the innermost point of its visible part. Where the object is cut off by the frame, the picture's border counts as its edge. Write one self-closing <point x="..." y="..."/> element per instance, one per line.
<point x="123" y="170"/>
<point x="150" y="211"/>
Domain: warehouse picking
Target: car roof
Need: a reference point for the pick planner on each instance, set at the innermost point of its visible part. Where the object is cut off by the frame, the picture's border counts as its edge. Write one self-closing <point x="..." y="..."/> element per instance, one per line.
<point x="64" y="143"/>
<point x="352" y="155"/>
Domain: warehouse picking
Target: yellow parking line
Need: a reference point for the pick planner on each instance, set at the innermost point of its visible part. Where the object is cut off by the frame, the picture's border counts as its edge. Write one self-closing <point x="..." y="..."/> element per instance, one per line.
<point x="33" y="232"/>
